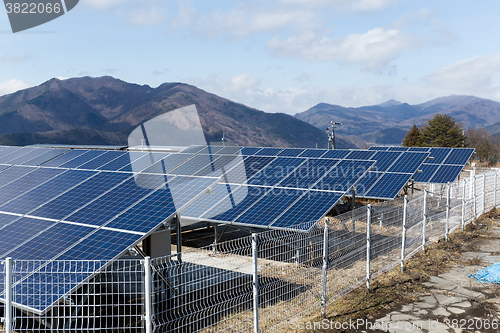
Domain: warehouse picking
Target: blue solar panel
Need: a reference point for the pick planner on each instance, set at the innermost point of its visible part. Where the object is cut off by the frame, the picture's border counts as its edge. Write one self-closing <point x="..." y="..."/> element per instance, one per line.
<point x="103" y="244"/>
<point x="58" y="161"/>
<point x="276" y="171"/>
<point x="15" y="153"/>
<point x="229" y="151"/>
<point x="366" y="182"/>
<point x="192" y="149"/>
<point x="268" y="152"/>
<point x="208" y="150"/>
<point x="344" y="175"/>
<point x="220" y="192"/>
<point x="7" y="219"/>
<point x="428" y="171"/>
<point x="80" y="195"/>
<point x="244" y="171"/>
<point x="243" y="197"/>
<point x="308" y="209"/>
<point x="388" y="186"/>
<point x="4" y="166"/>
<point x="269" y="207"/>
<point x="47" y="156"/>
<point x="446" y="173"/>
<point x="360" y="155"/>
<point x="82" y="159"/>
<point x="192" y="165"/>
<point x="155" y="163"/>
<point x="101" y="160"/>
<point x="249" y="150"/>
<point x="398" y="148"/>
<point x="31" y="154"/>
<point x="313" y="153"/>
<point x="385" y="159"/>
<point x="439" y="155"/>
<point x="291" y="152"/>
<point x="51" y="243"/>
<point x="14" y="172"/>
<point x="459" y="156"/>
<point x="122" y="161"/>
<point x="45" y="192"/>
<point x="378" y="148"/>
<point x="337" y="153"/>
<point x="220" y="165"/>
<point x="26" y="183"/>
<point x="309" y="173"/>
<point x="408" y="162"/>
<point x="15" y="233"/>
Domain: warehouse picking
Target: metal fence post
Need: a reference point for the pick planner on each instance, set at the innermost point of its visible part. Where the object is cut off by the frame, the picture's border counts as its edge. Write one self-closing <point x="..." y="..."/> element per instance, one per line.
<point x="463" y="204"/>
<point x="8" y="296"/>
<point x="474" y="197"/>
<point x="148" y="315"/>
<point x="424" y="222"/>
<point x="495" y="193"/>
<point x="403" y="243"/>
<point x="447" y="231"/>
<point x="368" y="244"/>
<point x="325" y="267"/>
<point x="255" y="255"/>
<point x="484" y="193"/>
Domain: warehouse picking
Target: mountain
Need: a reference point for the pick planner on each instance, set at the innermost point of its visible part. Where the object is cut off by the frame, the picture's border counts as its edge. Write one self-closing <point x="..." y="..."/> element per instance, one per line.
<point x="105" y="110"/>
<point x="387" y="123"/>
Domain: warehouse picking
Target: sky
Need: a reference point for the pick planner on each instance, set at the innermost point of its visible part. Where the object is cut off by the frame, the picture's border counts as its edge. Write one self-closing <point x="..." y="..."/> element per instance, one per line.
<point x="273" y="55"/>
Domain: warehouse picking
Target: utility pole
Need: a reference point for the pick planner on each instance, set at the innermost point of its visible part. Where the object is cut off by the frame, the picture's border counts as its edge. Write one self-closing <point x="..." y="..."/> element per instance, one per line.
<point x="331" y="135"/>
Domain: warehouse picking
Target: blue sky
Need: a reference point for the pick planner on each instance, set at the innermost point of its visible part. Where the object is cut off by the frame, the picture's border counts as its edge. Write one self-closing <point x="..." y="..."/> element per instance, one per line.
<point x="275" y="55"/>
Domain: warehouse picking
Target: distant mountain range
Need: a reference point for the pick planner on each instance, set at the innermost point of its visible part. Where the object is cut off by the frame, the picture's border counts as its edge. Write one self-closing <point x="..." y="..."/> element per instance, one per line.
<point x="105" y="110"/>
<point x="387" y="123"/>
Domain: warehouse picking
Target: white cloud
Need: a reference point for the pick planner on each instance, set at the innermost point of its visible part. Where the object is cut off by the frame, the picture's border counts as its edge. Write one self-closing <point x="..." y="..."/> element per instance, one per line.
<point x="13" y="59"/>
<point x="473" y="75"/>
<point x="12" y="85"/>
<point x="361" y="5"/>
<point x="421" y="17"/>
<point x="223" y="85"/>
<point x="102" y="4"/>
<point x="244" y="20"/>
<point x="372" y="50"/>
<point x="147" y="14"/>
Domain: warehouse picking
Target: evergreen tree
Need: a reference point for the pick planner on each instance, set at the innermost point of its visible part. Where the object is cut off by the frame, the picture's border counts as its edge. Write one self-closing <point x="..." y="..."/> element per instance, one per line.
<point x="412" y="138"/>
<point x="443" y="131"/>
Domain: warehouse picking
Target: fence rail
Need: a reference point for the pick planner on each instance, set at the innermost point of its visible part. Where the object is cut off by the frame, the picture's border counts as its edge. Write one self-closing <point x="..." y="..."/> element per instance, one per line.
<point x="257" y="283"/>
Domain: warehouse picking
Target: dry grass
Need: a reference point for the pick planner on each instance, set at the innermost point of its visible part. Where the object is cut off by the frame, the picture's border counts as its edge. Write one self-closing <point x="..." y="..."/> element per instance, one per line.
<point x="395" y="287"/>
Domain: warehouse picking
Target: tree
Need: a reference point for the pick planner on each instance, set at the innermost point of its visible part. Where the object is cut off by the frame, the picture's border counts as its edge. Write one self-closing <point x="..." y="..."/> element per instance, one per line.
<point x="442" y="131"/>
<point x="412" y="138"/>
<point x="487" y="146"/>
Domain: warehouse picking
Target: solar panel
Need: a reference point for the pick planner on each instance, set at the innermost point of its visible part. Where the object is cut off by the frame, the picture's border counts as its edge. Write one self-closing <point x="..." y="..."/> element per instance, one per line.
<point x="47" y="156"/>
<point x="58" y="161"/>
<point x="31" y="154"/>
<point x="442" y="165"/>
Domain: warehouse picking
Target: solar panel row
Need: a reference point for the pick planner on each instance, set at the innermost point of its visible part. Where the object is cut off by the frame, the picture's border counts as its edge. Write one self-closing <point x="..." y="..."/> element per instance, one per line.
<point x="444" y="165"/>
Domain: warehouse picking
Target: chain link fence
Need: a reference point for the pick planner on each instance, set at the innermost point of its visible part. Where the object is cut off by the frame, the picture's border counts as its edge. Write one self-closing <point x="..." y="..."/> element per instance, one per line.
<point x="258" y="283"/>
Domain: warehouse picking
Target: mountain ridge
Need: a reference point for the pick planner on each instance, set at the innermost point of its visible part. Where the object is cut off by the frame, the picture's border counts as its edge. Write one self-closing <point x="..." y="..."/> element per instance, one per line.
<point x="105" y="110"/>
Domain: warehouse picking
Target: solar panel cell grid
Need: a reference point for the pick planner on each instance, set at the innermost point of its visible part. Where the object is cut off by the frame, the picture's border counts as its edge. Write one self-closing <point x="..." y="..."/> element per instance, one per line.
<point x="101" y="160"/>
<point x="155" y="162"/>
<point x="268" y="152"/>
<point x="82" y="159"/>
<point x="276" y="171"/>
<point x="388" y="185"/>
<point x="446" y="172"/>
<point x="291" y="152"/>
<point x="308" y="209"/>
<point x="309" y="173"/>
<point x="11" y="174"/>
<point x="47" y="156"/>
<point x="28" y="156"/>
<point x="408" y="162"/>
<point x="68" y="156"/>
<point x="385" y="159"/>
<point x="46" y="192"/>
<point x="15" y="153"/>
<point x="313" y="153"/>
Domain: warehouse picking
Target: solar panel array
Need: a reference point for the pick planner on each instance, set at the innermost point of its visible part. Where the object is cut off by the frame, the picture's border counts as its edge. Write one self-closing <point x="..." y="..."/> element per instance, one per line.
<point x="444" y="165"/>
<point x="59" y="204"/>
<point x="279" y="188"/>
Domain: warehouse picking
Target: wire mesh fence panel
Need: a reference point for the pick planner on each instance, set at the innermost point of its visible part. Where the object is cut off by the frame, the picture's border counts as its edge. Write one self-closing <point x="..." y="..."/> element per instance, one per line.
<point x="289" y="276"/>
<point x="207" y="289"/>
<point x="110" y="300"/>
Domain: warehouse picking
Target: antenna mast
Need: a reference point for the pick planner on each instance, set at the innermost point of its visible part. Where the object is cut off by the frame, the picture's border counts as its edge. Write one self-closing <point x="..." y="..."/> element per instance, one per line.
<point x="331" y="135"/>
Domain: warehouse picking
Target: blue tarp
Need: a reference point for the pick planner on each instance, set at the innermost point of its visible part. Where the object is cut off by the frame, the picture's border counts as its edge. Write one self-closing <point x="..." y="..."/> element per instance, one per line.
<point x="490" y="274"/>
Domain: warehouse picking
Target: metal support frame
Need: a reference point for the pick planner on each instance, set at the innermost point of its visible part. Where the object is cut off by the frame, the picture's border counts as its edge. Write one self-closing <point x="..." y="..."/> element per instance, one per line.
<point x="353" y="206"/>
<point x="424" y="222"/>
<point x="148" y="308"/>
<point x="484" y="193"/>
<point x="368" y="244"/>
<point x="403" y="243"/>
<point x="255" y="257"/>
<point x="447" y="230"/>
<point x="8" y="295"/>
<point x="325" y="267"/>
<point x="463" y="203"/>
